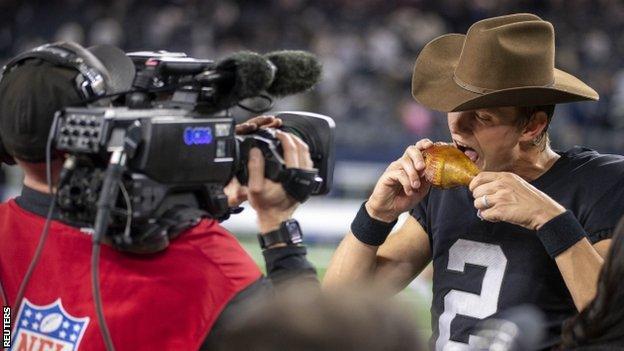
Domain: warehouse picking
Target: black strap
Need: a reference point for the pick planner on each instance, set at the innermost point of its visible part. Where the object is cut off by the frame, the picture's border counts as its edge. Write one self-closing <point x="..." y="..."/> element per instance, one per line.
<point x="289" y="233"/>
<point x="300" y="183"/>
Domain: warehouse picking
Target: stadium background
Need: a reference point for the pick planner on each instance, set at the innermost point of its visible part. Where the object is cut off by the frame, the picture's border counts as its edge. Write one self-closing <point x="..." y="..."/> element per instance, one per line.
<point x="367" y="48"/>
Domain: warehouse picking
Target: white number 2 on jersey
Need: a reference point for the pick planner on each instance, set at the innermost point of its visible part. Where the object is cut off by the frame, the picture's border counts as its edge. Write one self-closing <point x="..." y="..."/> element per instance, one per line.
<point x="467" y="304"/>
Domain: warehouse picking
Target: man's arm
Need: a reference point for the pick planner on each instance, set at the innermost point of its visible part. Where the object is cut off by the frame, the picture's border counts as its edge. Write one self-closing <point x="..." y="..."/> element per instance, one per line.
<point x="285" y="264"/>
<point x="580" y="267"/>
<point x="366" y="255"/>
<point x="392" y="265"/>
<point x="272" y="204"/>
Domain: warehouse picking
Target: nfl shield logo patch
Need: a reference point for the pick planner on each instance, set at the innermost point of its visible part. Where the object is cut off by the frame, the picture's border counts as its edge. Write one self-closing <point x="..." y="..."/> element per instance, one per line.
<point x="50" y="327"/>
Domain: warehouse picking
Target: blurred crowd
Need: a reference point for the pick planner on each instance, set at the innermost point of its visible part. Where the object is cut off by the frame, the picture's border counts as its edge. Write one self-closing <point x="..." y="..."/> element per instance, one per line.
<point x="367" y="47"/>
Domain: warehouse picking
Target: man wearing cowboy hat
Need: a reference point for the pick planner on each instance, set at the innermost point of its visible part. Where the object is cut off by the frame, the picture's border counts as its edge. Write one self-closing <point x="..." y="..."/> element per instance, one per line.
<point x="532" y="227"/>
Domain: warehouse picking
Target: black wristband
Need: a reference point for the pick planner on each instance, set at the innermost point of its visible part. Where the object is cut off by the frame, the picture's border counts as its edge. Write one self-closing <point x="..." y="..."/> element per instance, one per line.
<point x="370" y="230"/>
<point x="560" y="233"/>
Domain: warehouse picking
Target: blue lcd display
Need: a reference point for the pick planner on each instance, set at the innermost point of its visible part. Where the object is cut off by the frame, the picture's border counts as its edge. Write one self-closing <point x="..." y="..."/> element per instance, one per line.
<point x="197" y="135"/>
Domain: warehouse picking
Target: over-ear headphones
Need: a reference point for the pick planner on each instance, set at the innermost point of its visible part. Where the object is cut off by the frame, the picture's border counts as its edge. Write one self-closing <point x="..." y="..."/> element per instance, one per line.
<point x="92" y="80"/>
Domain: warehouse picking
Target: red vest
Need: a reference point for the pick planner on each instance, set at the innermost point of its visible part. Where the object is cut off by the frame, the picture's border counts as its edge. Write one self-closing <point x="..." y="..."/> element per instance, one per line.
<point x="163" y="301"/>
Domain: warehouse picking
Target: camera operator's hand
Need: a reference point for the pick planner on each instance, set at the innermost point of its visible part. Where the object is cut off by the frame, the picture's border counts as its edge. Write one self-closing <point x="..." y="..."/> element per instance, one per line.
<point x="267" y="197"/>
<point x="401" y="186"/>
<point x="236" y="193"/>
<point x="256" y="123"/>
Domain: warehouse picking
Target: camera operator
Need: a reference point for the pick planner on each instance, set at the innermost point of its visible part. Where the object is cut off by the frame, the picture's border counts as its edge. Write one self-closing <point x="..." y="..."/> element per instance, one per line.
<point x="170" y="300"/>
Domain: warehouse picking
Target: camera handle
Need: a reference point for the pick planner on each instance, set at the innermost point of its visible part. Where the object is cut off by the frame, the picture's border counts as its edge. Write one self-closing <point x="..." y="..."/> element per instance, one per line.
<point x="298" y="183"/>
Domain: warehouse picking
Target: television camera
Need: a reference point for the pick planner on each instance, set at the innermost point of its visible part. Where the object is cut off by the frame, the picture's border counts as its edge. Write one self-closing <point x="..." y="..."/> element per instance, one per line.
<point x="155" y="163"/>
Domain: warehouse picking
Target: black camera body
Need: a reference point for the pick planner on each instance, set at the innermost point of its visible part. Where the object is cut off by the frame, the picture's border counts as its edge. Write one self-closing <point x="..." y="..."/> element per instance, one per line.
<point x="180" y="160"/>
<point x="176" y="147"/>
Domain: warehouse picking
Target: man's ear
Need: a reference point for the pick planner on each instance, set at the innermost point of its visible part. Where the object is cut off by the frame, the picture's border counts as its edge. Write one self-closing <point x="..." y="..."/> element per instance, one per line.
<point x="537" y="123"/>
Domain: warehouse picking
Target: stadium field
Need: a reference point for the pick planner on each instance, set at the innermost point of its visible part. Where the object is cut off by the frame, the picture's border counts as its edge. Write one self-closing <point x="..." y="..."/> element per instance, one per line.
<point x="416" y="296"/>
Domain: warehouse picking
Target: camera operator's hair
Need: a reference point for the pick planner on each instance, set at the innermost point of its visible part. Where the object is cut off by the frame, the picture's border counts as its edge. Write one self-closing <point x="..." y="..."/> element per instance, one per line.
<point x="602" y="321"/>
<point x="303" y="318"/>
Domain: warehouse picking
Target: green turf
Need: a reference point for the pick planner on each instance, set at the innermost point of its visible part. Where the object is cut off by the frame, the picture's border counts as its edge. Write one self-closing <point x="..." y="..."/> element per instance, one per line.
<point x="320" y="255"/>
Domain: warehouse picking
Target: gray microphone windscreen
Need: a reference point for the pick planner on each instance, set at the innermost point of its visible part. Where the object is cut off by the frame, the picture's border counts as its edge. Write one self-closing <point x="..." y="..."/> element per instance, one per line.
<point x="249" y="75"/>
<point x="297" y="71"/>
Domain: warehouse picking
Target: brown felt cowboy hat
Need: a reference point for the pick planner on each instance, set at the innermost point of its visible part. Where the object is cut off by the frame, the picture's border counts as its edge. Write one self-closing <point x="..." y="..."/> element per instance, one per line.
<point x="501" y="61"/>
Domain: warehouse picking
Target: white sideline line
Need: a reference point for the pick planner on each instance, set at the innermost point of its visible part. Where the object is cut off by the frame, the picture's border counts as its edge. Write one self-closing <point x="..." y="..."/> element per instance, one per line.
<point x="320" y="218"/>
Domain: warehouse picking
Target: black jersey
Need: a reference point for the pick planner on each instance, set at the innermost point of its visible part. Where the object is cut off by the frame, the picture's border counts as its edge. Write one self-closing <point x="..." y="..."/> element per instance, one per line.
<point x="483" y="268"/>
